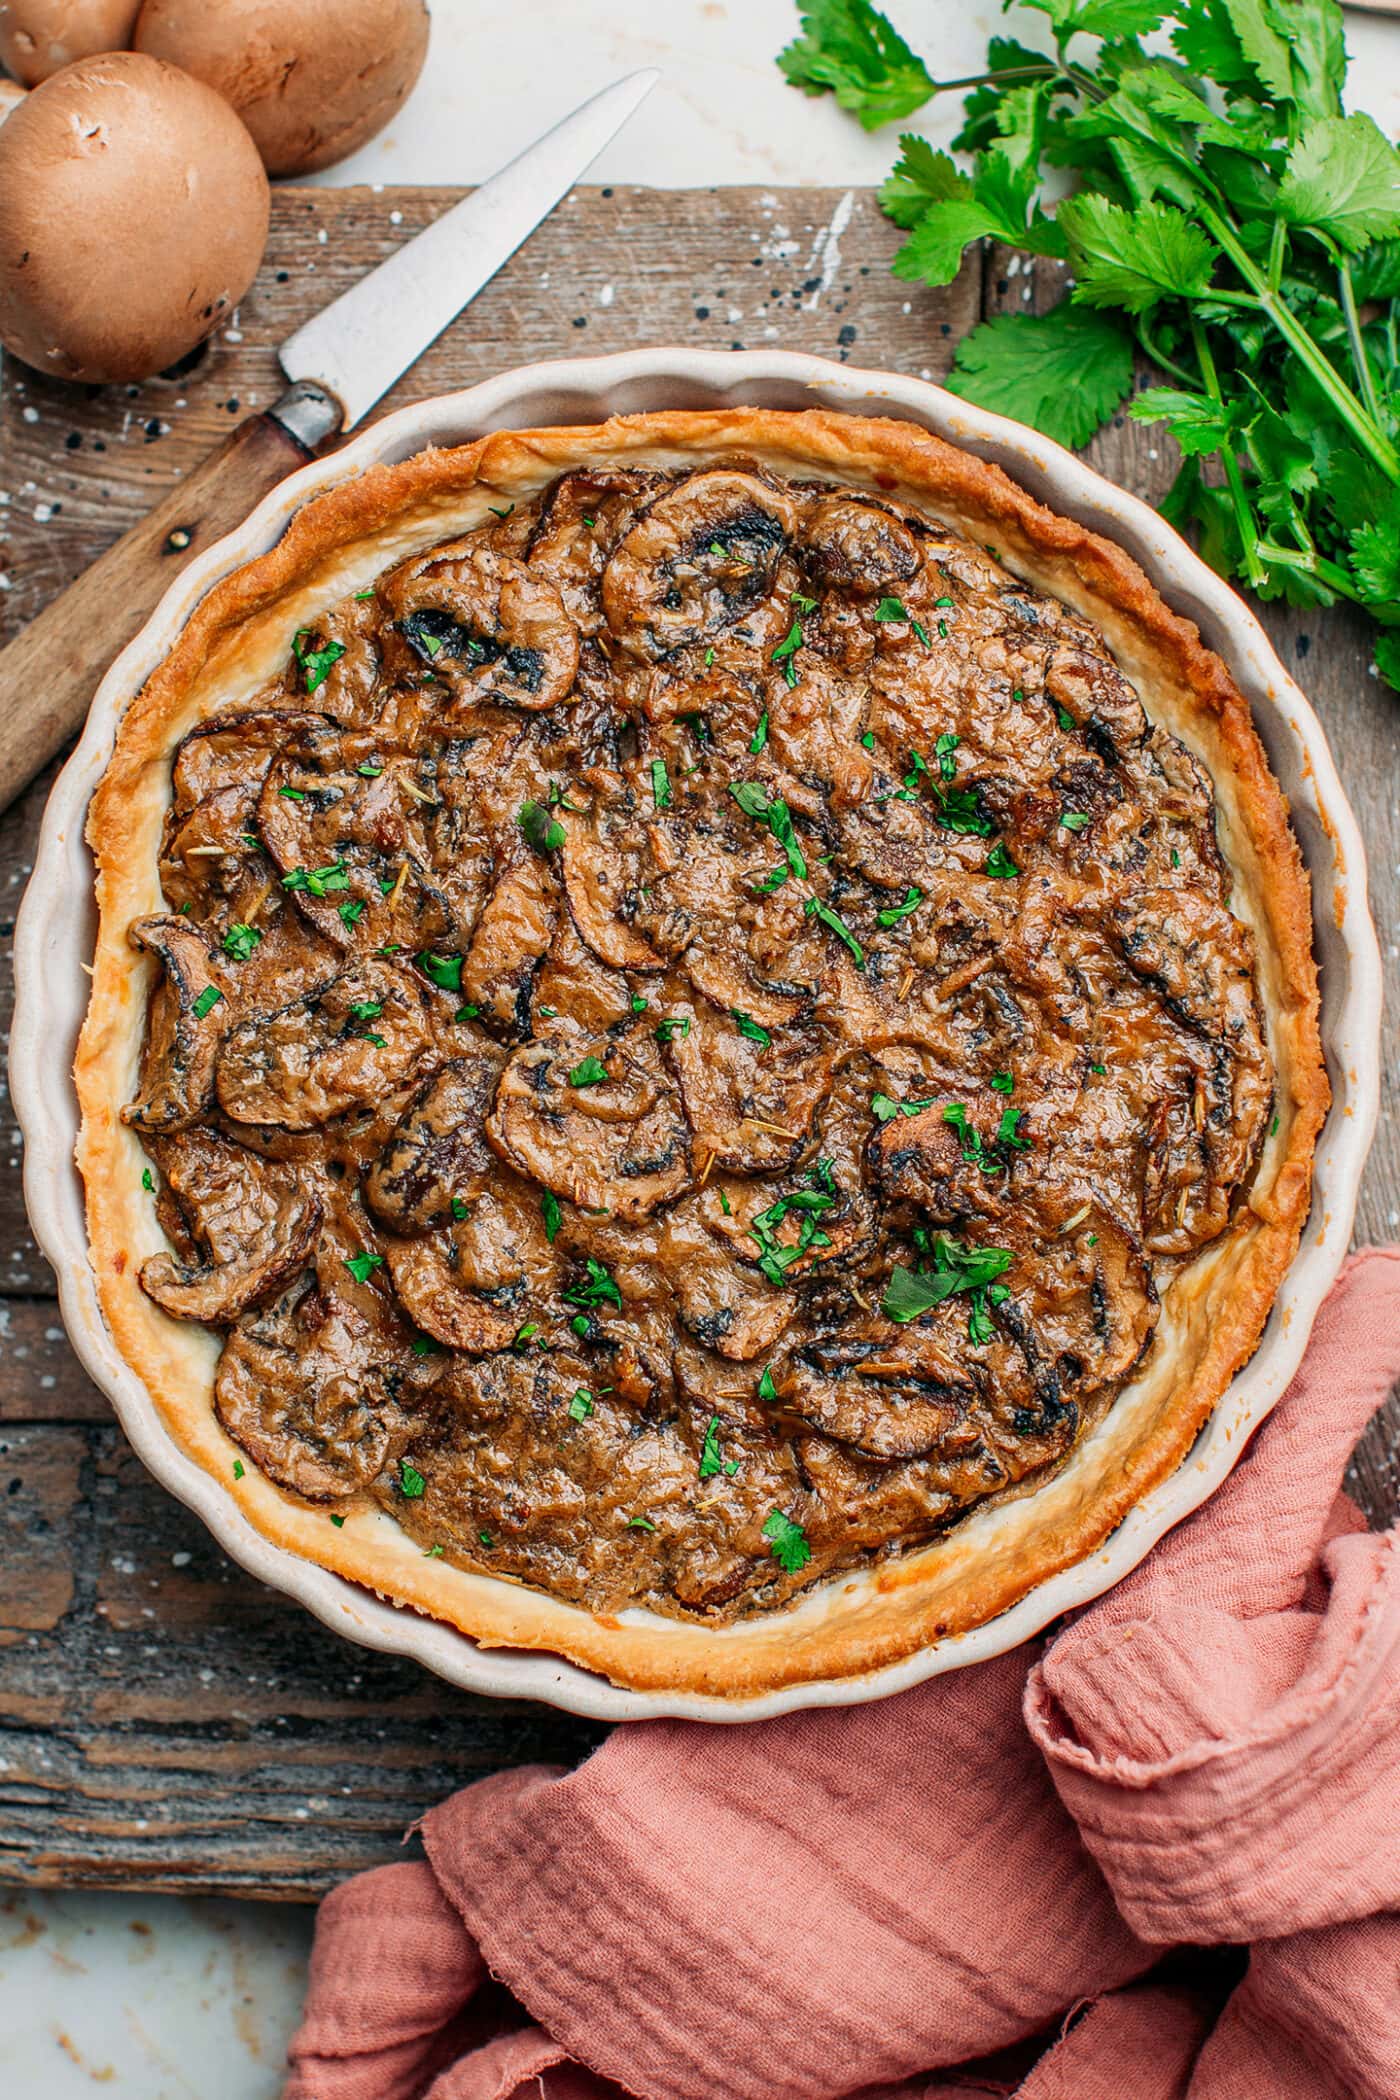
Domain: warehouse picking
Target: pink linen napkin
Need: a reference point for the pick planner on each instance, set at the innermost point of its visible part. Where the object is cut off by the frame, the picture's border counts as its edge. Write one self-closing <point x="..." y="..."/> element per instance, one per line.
<point x="980" y="1887"/>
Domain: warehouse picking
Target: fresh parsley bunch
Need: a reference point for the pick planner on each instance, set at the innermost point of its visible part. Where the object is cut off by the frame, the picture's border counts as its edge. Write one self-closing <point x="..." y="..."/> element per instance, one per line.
<point x="1226" y="220"/>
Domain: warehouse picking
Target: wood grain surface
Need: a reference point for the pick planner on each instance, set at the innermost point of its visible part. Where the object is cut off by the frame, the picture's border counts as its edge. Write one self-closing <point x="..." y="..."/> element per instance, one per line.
<point x="165" y="1721"/>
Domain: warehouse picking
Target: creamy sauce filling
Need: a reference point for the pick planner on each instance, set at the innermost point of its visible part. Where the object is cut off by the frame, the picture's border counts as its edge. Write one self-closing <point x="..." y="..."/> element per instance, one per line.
<point x="693" y="1022"/>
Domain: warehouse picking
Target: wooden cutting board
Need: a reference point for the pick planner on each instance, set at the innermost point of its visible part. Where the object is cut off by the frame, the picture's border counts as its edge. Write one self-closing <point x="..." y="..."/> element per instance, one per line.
<point x="165" y="1721"/>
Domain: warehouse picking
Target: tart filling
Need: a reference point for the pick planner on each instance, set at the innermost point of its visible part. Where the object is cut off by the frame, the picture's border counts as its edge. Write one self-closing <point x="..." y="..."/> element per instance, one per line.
<point x="696" y="1020"/>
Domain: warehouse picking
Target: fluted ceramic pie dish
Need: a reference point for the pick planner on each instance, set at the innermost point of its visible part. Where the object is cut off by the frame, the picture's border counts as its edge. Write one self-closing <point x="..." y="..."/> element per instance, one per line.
<point x="992" y="1538"/>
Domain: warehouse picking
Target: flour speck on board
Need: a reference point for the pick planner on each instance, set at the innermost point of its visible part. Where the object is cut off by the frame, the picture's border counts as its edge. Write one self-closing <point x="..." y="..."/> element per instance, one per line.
<point x="825" y="258"/>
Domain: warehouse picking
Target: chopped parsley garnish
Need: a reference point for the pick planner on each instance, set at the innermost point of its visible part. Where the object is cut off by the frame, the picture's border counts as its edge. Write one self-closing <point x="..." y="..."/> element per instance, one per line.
<point x="787" y="1542"/>
<point x="868" y="740"/>
<point x="1176" y="858"/>
<point x="486" y="1539"/>
<point x="822" y="910"/>
<point x="1098" y="1068"/>
<point x="956" y="1268"/>
<point x="709" y="658"/>
<point x="427" y="1345"/>
<point x="545" y="833"/>
<point x="804" y="605"/>
<point x="639" y="1004"/>
<point x="552" y="1214"/>
<point x="1062" y="715"/>
<point x="315" y="663"/>
<point x="468" y="1012"/>
<point x="718" y="548"/>
<point x="712" y="1458"/>
<point x="207" y="1001"/>
<point x="754" y="800"/>
<point x="505" y="513"/>
<point x="724" y="1204"/>
<point x="433" y="1553"/>
<point x="525" y="1334"/>
<point x="352" y="913"/>
<point x="411" y="1481"/>
<point x="767" y="1391"/>
<point x="943" y="751"/>
<point x="1273" y="1127"/>
<point x="591" y="1072"/>
<point x="749" y="1028"/>
<point x="581" y="1406"/>
<point x="599" y="1289"/>
<point x="367" y="1009"/>
<point x="777" y="1256"/>
<point x="584" y="1328"/>
<point x="238" y="1469"/>
<point x="640" y="1524"/>
<point x="318" y="882"/>
<point x="361" y="1265"/>
<point x="445" y="971"/>
<point x="1075" y="819"/>
<point x="360" y="596"/>
<point x="1000" y="864"/>
<point x="460" y="1207"/>
<point x="891" y="609"/>
<point x="786" y="652"/>
<point x="240" y="941"/>
<point x="660" y="784"/>
<point x="886" y="1109"/>
<point x="148" y="1181"/>
<point x="371" y="768"/>
<point x="339" y="1522"/>
<point x="760" y="735"/>
<point x="975" y="1148"/>
<point x="893" y="913"/>
<point x="293" y="794"/>
<point x="1004" y="1083"/>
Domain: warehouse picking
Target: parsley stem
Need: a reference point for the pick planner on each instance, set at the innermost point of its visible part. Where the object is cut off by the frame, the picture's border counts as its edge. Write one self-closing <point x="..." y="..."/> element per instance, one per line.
<point x="1152" y="350"/>
<point x="1302" y="345"/>
<point x="1278" y="252"/>
<point x="1234" y="480"/>
<point x="1359" y="358"/>
<point x="1312" y="564"/>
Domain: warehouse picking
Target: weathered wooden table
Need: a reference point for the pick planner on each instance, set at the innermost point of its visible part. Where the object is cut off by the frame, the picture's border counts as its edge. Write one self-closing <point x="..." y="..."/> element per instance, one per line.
<point x="166" y="1722"/>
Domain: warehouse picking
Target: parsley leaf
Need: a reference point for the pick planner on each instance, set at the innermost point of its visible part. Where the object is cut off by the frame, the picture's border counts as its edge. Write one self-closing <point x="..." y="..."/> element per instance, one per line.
<point x="361" y="1265"/>
<point x="206" y="1002"/>
<point x="787" y="650"/>
<point x="445" y="971"/>
<point x="315" y="663"/>
<point x="600" y="1288"/>
<point x="552" y="1214"/>
<point x="591" y="1072"/>
<point x="1000" y="864"/>
<point x="817" y="907"/>
<point x="750" y="1029"/>
<point x="893" y="913"/>
<point x="787" y="1542"/>
<point x="240" y="941"/>
<point x="660" y="785"/>
<point x="908" y="1295"/>
<point x="544" y="832"/>
<point x="581" y="1406"/>
<point x="849" y="47"/>
<point x="1063" y="372"/>
<point x="411" y="1481"/>
<point x="1343" y="180"/>
<point x="666" y="1031"/>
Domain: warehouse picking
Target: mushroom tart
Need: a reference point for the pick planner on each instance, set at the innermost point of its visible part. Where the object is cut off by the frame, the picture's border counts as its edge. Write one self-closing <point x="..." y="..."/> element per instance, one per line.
<point x="704" y="1043"/>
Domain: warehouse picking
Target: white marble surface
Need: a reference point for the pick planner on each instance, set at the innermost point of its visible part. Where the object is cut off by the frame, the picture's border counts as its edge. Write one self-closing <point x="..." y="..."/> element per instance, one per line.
<point x="161" y="1998"/>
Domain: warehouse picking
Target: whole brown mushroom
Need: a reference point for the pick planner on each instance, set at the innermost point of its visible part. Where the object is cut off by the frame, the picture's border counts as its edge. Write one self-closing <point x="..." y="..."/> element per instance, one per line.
<point x="133" y="217"/>
<point x="40" y="37"/>
<point x="312" y="83"/>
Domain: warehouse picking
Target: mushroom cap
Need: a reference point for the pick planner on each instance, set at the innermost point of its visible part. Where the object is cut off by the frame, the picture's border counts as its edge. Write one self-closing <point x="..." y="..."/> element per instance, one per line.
<point x="133" y="217"/>
<point x="312" y="83"/>
<point x="41" y="37"/>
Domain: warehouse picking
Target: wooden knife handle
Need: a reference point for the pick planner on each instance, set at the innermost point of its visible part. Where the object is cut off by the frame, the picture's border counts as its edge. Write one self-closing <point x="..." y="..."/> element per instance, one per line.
<point x="51" y="670"/>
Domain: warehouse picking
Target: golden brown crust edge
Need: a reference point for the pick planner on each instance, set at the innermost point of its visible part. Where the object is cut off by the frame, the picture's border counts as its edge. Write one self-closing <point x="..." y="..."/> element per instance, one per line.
<point x="1214" y="1313"/>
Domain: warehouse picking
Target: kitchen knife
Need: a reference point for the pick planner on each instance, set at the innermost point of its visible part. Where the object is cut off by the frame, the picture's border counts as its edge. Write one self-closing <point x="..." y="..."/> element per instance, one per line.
<point x="341" y="363"/>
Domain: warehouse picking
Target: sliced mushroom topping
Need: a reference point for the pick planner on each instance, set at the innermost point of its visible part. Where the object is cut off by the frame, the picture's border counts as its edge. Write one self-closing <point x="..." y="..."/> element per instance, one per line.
<point x="696" y="561"/>
<point x="597" y="1122"/>
<point x="438" y="1158"/>
<point x="1205" y="1133"/>
<point x="316" y="1393"/>
<point x="279" y="1217"/>
<point x="465" y="1285"/>
<point x="856" y="546"/>
<point x="512" y="938"/>
<point x="488" y="626"/>
<point x="213" y="851"/>
<point x="341" y="821"/>
<point x="720" y="1297"/>
<point x="188" y="1019"/>
<point x="234" y="750"/>
<point x="602" y="875"/>
<point x="750" y="1108"/>
<point x="1093" y="692"/>
<point x="576" y="529"/>
<point x="888" y="1392"/>
<point x="346" y="1043"/>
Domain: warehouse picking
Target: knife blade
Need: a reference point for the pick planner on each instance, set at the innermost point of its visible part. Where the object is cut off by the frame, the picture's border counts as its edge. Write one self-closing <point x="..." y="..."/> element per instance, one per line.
<point x="340" y="364"/>
<point x="356" y="347"/>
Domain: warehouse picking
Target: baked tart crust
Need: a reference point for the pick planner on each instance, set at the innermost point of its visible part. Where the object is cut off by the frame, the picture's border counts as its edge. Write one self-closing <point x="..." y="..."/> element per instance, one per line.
<point x="879" y="1608"/>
